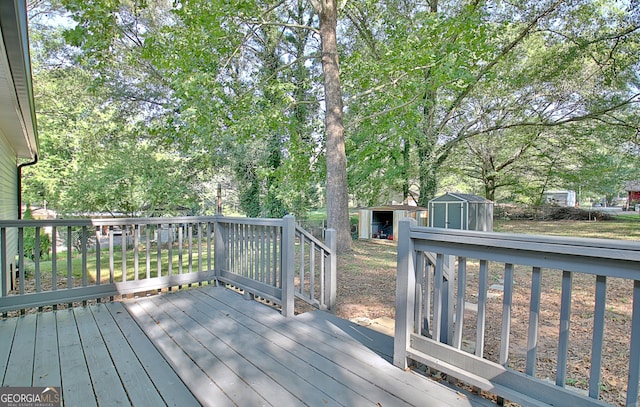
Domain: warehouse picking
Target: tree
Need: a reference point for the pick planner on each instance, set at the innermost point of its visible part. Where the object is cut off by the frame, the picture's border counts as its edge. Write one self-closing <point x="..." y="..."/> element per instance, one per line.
<point x="447" y="72"/>
<point x="337" y="192"/>
<point x="95" y="152"/>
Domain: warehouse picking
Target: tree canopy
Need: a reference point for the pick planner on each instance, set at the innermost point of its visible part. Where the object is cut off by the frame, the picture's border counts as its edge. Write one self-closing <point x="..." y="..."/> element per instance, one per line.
<point x="143" y="106"/>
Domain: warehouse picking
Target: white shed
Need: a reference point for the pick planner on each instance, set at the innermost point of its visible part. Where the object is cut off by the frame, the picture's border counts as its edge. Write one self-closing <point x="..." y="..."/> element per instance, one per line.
<point x="381" y="222"/>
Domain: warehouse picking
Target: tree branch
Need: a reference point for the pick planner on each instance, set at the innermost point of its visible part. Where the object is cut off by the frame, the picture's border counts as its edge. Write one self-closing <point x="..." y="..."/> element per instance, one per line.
<point x="485" y="70"/>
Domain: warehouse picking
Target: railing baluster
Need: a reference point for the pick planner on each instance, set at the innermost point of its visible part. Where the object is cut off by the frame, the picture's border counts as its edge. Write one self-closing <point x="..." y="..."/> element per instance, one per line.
<point x="277" y="265"/>
<point x="69" y="258"/>
<point x="123" y="249"/>
<point x="21" y="269"/>
<point x="263" y="254"/>
<point x="437" y="297"/>
<point x="170" y="251"/>
<point x="83" y="248"/>
<point x="112" y="266"/>
<point x="419" y="317"/>
<point x="301" y="254"/>
<point x="482" y="307"/>
<point x="200" y="248"/>
<point x="209" y="257"/>
<point x="190" y="247"/>
<point x="312" y="270"/>
<point x="147" y="250"/>
<point x="266" y="256"/>
<point x="231" y="243"/>
<point x="462" y="287"/>
<point x="159" y="249"/>
<point x="36" y="259"/>
<point x="634" y="352"/>
<point x="429" y="269"/>
<point x="180" y="244"/>
<point x="506" y="314"/>
<point x="54" y="259"/>
<point x="233" y="248"/>
<point x="534" y="318"/>
<point x="136" y="254"/>
<point x="565" y="324"/>
<point x="98" y="267"/>
<point x="4" y="272"/>
<point x="598" y="336"/>
<point x="246" y="263"/>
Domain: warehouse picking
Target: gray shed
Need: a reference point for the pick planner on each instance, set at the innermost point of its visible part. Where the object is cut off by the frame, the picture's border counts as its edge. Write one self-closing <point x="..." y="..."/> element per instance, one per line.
<point x="461" y="211"/>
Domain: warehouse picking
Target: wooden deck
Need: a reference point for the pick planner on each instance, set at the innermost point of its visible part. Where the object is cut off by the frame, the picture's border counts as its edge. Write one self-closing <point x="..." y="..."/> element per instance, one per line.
<point x="209" y="346"/>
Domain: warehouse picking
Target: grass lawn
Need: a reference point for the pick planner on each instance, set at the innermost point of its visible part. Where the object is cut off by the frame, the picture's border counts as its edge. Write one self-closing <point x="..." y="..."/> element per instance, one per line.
<point x="624" y="227"/>
<point x="76" y="264"/>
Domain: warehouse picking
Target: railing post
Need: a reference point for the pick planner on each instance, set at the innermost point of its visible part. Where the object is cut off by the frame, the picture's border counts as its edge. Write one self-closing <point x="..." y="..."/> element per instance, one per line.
<point x="287" y="262"/>
<point x="219" y="246"/>
<point x="405" y="293"/>
<point x="330" y="272"/>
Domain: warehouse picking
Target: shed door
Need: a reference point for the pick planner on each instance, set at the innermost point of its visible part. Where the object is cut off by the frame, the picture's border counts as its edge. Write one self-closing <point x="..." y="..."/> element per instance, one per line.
<point x="454" y="215"/>
<point x="447" y="215"/>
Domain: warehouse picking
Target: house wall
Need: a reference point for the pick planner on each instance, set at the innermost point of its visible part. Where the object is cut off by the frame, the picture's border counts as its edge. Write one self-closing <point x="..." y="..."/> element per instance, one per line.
<point x="8" y="204"/>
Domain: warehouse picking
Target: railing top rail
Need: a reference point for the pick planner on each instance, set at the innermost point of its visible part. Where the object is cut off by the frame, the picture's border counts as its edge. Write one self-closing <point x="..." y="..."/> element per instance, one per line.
<point x="251" y="221"/>
<point x="309" y="236"/>
<point x="602" y="248"/>
<point x="136" y="221"/>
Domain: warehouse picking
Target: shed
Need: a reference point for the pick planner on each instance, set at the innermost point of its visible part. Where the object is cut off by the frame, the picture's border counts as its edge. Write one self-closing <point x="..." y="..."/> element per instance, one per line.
<point x="461" y="211"/>
<point x="382" y="222"/>
<point x="560" y="198"/>
<point x="633" y="189"/>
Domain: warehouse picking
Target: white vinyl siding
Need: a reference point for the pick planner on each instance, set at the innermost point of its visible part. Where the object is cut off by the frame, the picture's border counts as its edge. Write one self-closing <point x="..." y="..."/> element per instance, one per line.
<point x="8" y="201"/>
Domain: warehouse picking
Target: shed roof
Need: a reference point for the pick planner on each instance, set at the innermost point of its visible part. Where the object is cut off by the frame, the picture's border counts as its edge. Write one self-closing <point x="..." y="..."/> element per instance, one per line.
<point x="632" y="186"/>
<point x="396" y="208"/>
<point x="461" y="197"/>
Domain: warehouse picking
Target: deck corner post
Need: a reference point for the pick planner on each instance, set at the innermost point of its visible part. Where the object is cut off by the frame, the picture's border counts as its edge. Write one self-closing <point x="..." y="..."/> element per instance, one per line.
<point x="330" y="272"/>
<point x="405" y="293"/>
<point x="288" y="264"/>
<point x="219" y="246"/>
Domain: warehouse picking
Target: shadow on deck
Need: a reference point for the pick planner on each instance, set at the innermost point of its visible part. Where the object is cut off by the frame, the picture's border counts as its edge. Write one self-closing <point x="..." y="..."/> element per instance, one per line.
<point x="209" y="346"/>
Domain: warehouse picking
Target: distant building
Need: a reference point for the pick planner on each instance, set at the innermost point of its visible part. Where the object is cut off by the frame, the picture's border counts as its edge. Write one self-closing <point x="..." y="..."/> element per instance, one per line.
<point x="559" y="198"/>
<point x="633" y="191"/>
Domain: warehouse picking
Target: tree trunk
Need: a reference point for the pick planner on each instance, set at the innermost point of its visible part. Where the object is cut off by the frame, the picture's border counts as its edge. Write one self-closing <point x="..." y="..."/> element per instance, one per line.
<point x="337" y="193"/>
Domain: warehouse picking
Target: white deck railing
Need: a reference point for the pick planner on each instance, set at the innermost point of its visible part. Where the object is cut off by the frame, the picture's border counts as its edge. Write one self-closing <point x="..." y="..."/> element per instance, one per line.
<point x="99" y="258"/>
<point x="434" y="292"/>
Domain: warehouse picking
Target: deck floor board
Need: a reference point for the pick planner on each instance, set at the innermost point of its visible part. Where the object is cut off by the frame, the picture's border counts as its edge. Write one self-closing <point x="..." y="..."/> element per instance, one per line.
<point x="343" y="385"/>
<point x="171" y="388"/>
<point x="7" y="333"/>
<point x="209" y="346"/>
<point x="77" y="389"/>
<point x="104" y="377"/>
<point x="20" y="364"/>
<point x="46" y="370"/>
<point x="132" y="374"/>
